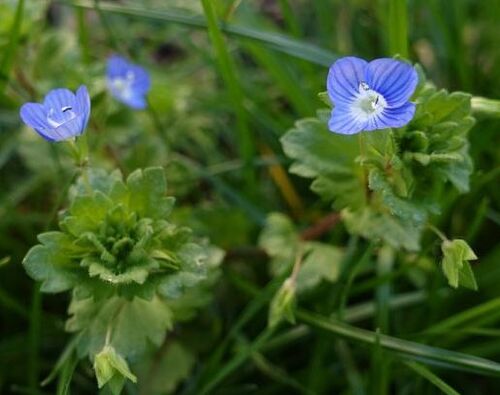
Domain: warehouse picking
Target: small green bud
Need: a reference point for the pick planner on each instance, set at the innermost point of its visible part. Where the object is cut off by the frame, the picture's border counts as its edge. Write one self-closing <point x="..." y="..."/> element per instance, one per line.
<point x="456" y="266"/>
<point x="108" y="363"/>
<point x="283" y="304"/>
<point x="323" y="96"/>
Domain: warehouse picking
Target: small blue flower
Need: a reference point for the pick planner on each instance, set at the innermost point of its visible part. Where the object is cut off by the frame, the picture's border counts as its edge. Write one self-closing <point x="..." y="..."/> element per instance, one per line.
<point x="370" y="96"/>
<point x="62" y="115"/>
<point x="127" y="82"/>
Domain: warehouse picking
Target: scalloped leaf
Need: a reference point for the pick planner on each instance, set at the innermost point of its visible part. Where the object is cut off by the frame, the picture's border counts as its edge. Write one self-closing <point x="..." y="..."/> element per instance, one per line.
<point x="132" y="324"/>
<point x="327" y="157"/>
<point x="281" y="241"/>
<point x="147" y="193"/>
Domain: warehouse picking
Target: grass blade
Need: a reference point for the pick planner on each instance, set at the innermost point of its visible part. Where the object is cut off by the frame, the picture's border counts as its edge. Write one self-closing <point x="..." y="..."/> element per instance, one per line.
<point x="34" y="339"/>
<point x="416" y="351"/>
<point x="279" y="42"/>
<point x="63" y="385"/>
<point x="478" y="315"/>
<point x="236" y="361"/>
<point x="228" y="73"/>
<point x="258" y="302"/>
<point x="10" y="52"/>
<point x="431" y="377"/>
<point x="398" y="28"/>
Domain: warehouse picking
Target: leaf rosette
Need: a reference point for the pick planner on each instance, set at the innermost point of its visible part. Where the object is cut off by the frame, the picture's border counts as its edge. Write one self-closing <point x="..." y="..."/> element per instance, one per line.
<point x="133" y="272"/>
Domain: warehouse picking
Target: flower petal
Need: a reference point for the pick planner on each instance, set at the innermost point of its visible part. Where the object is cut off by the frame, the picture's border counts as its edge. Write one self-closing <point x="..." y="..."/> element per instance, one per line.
<point x="375" y="122"/>
<point x="393" y="79"/>
<point x="396" y="117"/>
<point x="59" y="98"/>
<point x="343" y="121"/>
<point x="141" y="82"/>
<point x="33" y="115"/>
<point x="83" y="105"/>
<point x="136" y="101"/>
<point x="344" y="78"/>
<point x="72" y="128"/>
<point x="116" y="66"/>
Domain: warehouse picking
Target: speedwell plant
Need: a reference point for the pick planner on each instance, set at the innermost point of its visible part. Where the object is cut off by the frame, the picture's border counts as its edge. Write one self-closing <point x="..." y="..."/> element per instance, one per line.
<point x="132" y="273"/>
<point x="389" y="180"/>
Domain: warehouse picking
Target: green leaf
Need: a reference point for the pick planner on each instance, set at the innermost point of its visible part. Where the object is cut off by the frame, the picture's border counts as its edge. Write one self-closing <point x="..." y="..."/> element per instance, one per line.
<point x="194" y="261"/>
<point x="283" y="304"/>
<point x="147" y="193"/>
<point x="321" y="262"/>
<point x="445" y="119"/>
<point x="133" y="275"/>
<point x="329" y="158"/>
<point x="401" y="208"/>
<point x="383" y="226"/>
<point x="175" y="363"/>
<point x="51" y="267"/>
<point x="456" y="268"/>
<point x="98" y="179"/>
<point x="280" y="240"/>
<point x="87" y="213"/>
<point x="132" y="324"/>
<point x="442" y="106"/>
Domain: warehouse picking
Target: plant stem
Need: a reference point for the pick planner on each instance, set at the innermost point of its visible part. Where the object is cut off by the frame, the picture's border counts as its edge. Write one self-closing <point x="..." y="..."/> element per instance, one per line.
<point x="440" y="234"/>
<point x="485" y="107"/>
<point x="297" y="264"/>
<point x="362" y="154"/>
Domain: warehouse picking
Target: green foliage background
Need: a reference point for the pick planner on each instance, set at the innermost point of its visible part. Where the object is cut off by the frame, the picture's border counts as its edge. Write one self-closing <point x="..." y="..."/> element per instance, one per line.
<point x="368" y="320"/>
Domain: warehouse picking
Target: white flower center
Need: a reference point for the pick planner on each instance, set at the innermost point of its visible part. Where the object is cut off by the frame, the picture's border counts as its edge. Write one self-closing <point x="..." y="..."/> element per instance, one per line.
<point x="57" y="117"/>
<point x="122" y="86"/>
<point x="368" y="103"/>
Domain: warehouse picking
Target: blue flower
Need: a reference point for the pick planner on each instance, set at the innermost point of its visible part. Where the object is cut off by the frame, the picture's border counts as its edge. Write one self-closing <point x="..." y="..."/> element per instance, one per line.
<point x="370" y="96"/>
<point x="127" y="82"/>
<point x="62" y="115"/>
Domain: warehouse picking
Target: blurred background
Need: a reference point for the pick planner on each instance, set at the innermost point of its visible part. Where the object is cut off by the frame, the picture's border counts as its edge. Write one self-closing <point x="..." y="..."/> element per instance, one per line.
<point x="217" y="135"/>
